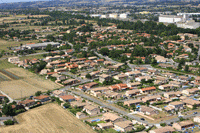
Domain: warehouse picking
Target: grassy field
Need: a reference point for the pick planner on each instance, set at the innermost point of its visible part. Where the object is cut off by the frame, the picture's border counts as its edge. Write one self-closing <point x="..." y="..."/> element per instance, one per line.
<point x="5" y="64"/>
<point x="27" y="85"/>
<point x="49" y="118"/>
<point x="4" y="44"/>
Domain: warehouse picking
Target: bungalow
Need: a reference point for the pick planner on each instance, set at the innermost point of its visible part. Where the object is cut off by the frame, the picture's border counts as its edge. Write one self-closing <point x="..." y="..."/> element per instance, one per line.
<point x="169" y="108"/>
<point x="80" y="115"/>
<point x="152" y="98"/>
<point x="99" y="89"/>
<point x="132" y="102"/>
<point x="60" y="70"/>
<point x="146" y="78"/>
<point x="113" y="95"/>
<point x="169" y="75"/>
<point x="67" y="98"/>
<point x="123" y="126"/>
<point x="164" y="80"/>
<point x="58" y="77"/>
<point x="190" y="91"/>
<point x="70" y="81"/>
<point x="110" y="117"/>
<point x="58" y="93"/>
<point x="148" y="111"/>
<point x="78" y="104"/>
<point x="172" y="94"/>
<point x="141" y="69"/>
<point x="190" y="103"/>
<point x="105" y="125"/>
<point x="104" y="77"/>
<point x="133" y="73"/>
<point x="148" y="89"/>
<point x="42" y="98"/>
<point x="183" y="78"/>
<point x="167" y="86"/>
<point x="91" y="110"/>
<point x="135" y="84"/>
<point x="94" y="74"/>
<point x="177" y="105"/>
<point x="153" y="72"/>
<point x="132" y="93"/>
<point x="27" y="103"/>
<point x="197" y="119"/>
<point x="175" y="83"/>
<point x="167" y="129"/>
<point x="121" y="77"/>
<point x="183" y="125"/>
<point x="90" y="85"/>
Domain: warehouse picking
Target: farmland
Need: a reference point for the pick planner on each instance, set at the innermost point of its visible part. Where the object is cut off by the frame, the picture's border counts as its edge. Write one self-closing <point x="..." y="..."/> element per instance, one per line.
<point x="49" y="118"/>
<point x="23" y="83"/>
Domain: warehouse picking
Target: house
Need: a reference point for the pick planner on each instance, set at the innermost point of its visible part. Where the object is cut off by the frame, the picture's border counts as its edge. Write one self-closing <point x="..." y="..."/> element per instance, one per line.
<point x="141" y="69"/>
<point x="132" y="102"/>
<point x="148" y="111"/>
<point x="175" y="83"/>
<point x="167" y="129"/>
<point x="27" y="103"/>
<point x="80" y="115"/>
<point x="78" y="104"/>
<point x="123" y="126"/>
<point x="99" y="89"/>
<point x="172" y="94"/>
<point x="146" y="78"/>
<point x="183" y="79"/>
<point x="163" y="80"/>
<point x="177" y="105"/>
<point x="196" y="119"/>
<point x="90" y="85"/>
<point x="132" y="93"/>
<point x="110" y="117"/>
<point x="13" y="60"/>
<point x="70" y="81"/>
<point x="169" y="108"/>
<point x="133" y="73"/>
<point x="42" y="98"/>
<point x="91" y="110"/>
<point x="167" y="86"/>
<point x="67" y="98"/>
<point x="120" y="77"/>
<point x="113" y="95"/>
<point x="104" y="77"/>
<point x="190" y="91"/>
<point x="153" y="72"/>
<point x="134" y="85"/>
<point x="58" y="77"/>
<point x="94" y="74"/>
<point x="58" y="93"/>
<point x="148" y="89"/>
<point x="105" y="125"/>
<point x="191" y="102"/>
<point x="152" y="98"/>
<point x="169" y="75"/>
<point x="183" y="125"/>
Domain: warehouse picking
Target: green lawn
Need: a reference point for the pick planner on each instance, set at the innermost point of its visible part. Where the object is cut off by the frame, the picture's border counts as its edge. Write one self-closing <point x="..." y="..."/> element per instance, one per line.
<point x="32" y="57"/>
<point x="5" y="64"/>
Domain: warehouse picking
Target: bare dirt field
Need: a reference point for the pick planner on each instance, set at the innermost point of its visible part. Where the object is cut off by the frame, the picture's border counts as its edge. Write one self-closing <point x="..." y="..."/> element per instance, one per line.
<point x="49" y="118"/>
<point x="26" y="85"/>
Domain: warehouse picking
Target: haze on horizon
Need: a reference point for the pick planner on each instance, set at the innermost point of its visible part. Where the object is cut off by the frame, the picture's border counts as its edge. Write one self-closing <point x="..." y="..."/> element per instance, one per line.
<point x="11" y="1"/>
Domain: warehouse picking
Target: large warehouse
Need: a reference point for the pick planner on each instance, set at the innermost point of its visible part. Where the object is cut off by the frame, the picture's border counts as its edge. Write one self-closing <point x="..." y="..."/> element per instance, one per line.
<point x="170" y="18"/>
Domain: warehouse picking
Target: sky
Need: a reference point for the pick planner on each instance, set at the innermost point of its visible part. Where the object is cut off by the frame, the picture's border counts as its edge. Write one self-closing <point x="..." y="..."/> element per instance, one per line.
<point x="9" y="1"/>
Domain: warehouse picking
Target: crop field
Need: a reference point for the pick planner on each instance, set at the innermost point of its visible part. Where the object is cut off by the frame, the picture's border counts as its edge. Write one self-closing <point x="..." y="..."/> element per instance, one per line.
<point x="4" y="77"/>
<point x="49" y="118"/>
<point x="23" y="83"/>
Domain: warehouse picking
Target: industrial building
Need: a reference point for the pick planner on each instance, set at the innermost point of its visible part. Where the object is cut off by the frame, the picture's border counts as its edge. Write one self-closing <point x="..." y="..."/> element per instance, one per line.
<point x="40" y="45"/>
<point x="170" y="18"/>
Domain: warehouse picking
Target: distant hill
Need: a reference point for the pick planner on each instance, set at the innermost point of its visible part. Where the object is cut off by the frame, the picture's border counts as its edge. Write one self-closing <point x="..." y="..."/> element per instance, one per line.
<point x="52" y="3"/>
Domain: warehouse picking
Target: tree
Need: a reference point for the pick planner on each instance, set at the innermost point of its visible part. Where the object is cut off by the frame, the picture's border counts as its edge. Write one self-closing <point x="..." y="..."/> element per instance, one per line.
<point x="88" y="76"/>
<point x="194" y="106"/>
<point x="179" y="66"/>
<point x="163" y="124"/>
<point x="104" y="51"/>
<point x="8" y="122"/>
<point x="38" y="93"/>
<point x="133" y="107"/>
<point x="154" y="62"/>
<point x="186" y="68"/>
<point x="48" y="48"/>
<point x="66" y="105"/>
<point x="147" y="103"/>
<point x="8" y="110"/>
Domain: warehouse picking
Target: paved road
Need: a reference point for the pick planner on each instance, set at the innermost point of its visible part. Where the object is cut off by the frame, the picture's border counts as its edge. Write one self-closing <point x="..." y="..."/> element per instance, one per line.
<point x="10" y="99"/>
<point x="107" y="106"/>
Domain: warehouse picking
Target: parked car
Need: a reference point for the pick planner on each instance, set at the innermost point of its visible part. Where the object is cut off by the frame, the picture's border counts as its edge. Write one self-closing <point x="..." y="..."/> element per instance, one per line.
<point x="195" y="113"/>
<point x="142" y="119"/>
